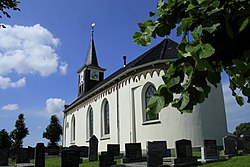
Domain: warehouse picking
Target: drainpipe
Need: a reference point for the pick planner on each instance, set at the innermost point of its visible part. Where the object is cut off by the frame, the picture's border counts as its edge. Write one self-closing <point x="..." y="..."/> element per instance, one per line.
<point x="117" y="113"/>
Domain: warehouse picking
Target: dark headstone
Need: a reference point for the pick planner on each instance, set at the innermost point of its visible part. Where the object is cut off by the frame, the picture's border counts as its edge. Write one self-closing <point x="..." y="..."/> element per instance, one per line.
<point x="133" y="153"/>
<point x="40" y="155"/>
<point x="22" y="155"/>
<point x="93" y="148"/>
<point x="70" y="157"/>
<point x="106" y="159"/>
<point x="210" y="149"/>
<point x="230" y="145"/>
<point x="184" y="153"/>
<point x="246" y="142"/>
<point x="114" y="149"/>
<point x="183" y="149"/>
<point x="31" y="151"/>
<point x="240" y="144"/>
<point x="154" y="154"/>
<point x="52" y="150"/>
<point x="84" y="151"/>
<point x="4" y="155"/>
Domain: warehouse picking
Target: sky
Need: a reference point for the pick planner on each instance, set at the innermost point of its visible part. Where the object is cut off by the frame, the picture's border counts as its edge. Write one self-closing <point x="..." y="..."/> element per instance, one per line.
<point x="45" y="43"/>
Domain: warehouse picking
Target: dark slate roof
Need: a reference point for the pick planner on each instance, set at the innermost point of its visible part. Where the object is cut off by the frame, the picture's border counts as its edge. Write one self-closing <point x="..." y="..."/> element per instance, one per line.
<point x="165" y="50"/>
<point x="91" y="58"/>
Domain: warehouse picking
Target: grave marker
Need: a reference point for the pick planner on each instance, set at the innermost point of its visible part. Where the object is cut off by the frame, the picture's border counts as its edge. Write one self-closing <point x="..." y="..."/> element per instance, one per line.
<point x="93" y="148"/>
<point x="40" y="155"/>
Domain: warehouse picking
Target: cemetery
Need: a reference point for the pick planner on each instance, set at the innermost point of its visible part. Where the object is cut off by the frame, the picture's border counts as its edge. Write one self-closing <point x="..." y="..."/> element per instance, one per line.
<point x="158" y="154"/>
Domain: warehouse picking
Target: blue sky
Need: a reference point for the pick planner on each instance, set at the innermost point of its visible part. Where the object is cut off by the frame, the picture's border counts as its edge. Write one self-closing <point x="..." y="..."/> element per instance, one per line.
<point x="46" y="43"/>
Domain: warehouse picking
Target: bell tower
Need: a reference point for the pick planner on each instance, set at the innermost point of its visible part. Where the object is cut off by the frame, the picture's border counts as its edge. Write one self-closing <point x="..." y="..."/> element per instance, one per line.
<point x="90" y="74"/>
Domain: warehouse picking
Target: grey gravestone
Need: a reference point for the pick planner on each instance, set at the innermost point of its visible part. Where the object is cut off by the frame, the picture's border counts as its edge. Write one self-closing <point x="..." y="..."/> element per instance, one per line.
<point x="106" y="159"/>
<point x="52" y="150"/>
<point x="93" y="148"/>
<point x="230" y="144"/>
<point x="22" y="155"/>
<point x="184" y="153"/>
<point x="40" y="155"/>
<point x="84" y="151"/>
<point x="210" y="149"/>
<point x="114" y="149"/>
<point x="133" y="153"/>
<point x="70" y="157"/>
<point x="154" y="154"/>
<point x="31" y="151"/>
<point x="246" y="143"/>
<point x="4" y="155"/>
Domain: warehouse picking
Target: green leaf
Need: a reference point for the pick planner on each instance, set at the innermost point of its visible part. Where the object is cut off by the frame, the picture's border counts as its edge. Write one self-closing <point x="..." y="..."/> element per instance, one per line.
<point x="141" y="39"/>
<point x="155" y="104"/>
<point x="212" y="28"/>
<point x="184" y="100"/>
<point x="166" y="93"/>
<point x="206" y="51"/>
<point x="239" y="100"/>
<point x="190" y="7"/>
<point x="244" y="24"/>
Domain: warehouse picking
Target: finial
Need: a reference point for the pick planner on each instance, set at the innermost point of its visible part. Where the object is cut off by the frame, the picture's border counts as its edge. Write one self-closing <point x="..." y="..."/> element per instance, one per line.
<point x="92" y="30"/>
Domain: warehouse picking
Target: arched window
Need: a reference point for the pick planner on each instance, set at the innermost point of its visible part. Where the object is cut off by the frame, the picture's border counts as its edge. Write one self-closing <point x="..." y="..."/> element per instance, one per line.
<point x="105" y="118"/>
<point x="90" y="123"/>
<point x="73" y="128"/>
<point x="149" y="92"/>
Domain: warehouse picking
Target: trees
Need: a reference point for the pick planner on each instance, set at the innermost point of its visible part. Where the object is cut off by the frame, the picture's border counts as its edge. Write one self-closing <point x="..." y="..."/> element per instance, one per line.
<point x="53" y="131"/>
<point x="5" y="140"/>
<point x="215" y="38"/>
<point x="8" y="4"/>
<point x="243" y="127"/>
<point x="20" y="132"/>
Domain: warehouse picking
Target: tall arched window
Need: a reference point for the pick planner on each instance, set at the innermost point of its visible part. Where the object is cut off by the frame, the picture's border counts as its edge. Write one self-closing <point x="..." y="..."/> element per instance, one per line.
<point x="91" y="123"/>
<point x="73" y="128"/>
<point x="149" y="92"/>
<point x="106" y="126"/>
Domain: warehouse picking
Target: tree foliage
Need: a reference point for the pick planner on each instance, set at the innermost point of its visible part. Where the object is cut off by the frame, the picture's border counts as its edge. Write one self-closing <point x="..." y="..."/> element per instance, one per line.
<point x="53" y="131"/>
<point x="6" y="5"/>
<point x="20" y="132"/>
<point x="243" y="127"/>
<point x="215" y="38"/>
<point x="5" y="139"/>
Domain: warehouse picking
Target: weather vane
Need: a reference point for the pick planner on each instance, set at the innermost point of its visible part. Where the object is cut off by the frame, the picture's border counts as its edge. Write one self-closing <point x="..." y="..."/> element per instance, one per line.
<point x="92" y="29"/>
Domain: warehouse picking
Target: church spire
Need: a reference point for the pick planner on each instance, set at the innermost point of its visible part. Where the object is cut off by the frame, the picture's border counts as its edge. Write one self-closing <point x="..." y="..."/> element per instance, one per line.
<point x="91" y="58"/>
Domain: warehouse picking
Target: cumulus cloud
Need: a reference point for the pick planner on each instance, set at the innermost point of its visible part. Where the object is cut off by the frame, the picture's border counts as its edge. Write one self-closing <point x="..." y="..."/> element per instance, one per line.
<point x="55" y="106"/>
<point x="6" y="82"/>
<point x="28" y="49"/>
<point x="10" y="107"/>
<point x="63" y="68"/>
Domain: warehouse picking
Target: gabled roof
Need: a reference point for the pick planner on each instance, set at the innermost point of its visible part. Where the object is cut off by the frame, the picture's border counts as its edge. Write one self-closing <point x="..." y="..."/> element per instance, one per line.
<point x="164" y="51"/>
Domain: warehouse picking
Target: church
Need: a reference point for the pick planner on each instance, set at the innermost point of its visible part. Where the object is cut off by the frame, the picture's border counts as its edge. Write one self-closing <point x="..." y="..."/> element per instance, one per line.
<point x="114" y="108"/>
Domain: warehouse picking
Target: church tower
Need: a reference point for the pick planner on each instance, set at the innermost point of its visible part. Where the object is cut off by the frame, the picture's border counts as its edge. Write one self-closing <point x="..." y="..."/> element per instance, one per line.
<point x="90" y="74"/>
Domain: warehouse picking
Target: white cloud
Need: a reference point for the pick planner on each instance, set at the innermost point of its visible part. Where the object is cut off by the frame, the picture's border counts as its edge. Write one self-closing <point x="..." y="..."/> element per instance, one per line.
<point x="10" y="107"/>
<point x="6" y="82"/>
<point x="25" y="49"/>
<point x="63" y="68"/>
<point x="55" y="106"/>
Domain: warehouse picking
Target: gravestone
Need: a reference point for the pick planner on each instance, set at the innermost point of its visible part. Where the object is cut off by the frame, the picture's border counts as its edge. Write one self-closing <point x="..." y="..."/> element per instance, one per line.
<point x="184" y="153"/>
<point x="84" y="151"/>
<point x="22" y="156"/>
<point x="106" y="159"/>
<point x="133" y="153"/>
<point x="230" y="145"/>
<point x="93" y="149"/>
<point x="154" y="154"/>
<point x="240" y="144"/>
<point x="70" y="157"/>
<point x="246" y="143"/>
<point x="114" y="149"/>
<point x="4" y="155"/>
<point x="31" y="151"/>
<point x="209" y="151"/>
<point x="40" y="155"/>
<point x="52" y="150"/>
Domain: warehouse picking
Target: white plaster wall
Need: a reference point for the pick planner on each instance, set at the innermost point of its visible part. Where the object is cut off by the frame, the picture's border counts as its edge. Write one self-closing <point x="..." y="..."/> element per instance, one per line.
<point x="207" y="121"/>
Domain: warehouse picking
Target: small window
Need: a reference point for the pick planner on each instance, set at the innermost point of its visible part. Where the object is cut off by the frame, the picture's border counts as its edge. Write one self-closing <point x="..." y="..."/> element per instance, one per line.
<point x="149" y="92"/>
<point x="91" y="122"/>
<point x="73" y="128"/>
<point x="106" y="127"/>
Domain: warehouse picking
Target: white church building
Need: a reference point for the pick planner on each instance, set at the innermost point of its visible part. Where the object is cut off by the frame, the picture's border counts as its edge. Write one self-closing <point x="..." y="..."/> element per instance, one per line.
<point x="114" y="108"/>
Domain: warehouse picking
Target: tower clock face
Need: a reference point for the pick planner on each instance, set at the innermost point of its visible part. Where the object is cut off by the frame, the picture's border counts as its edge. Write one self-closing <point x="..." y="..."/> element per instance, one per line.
<point x="94" y="75"/>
